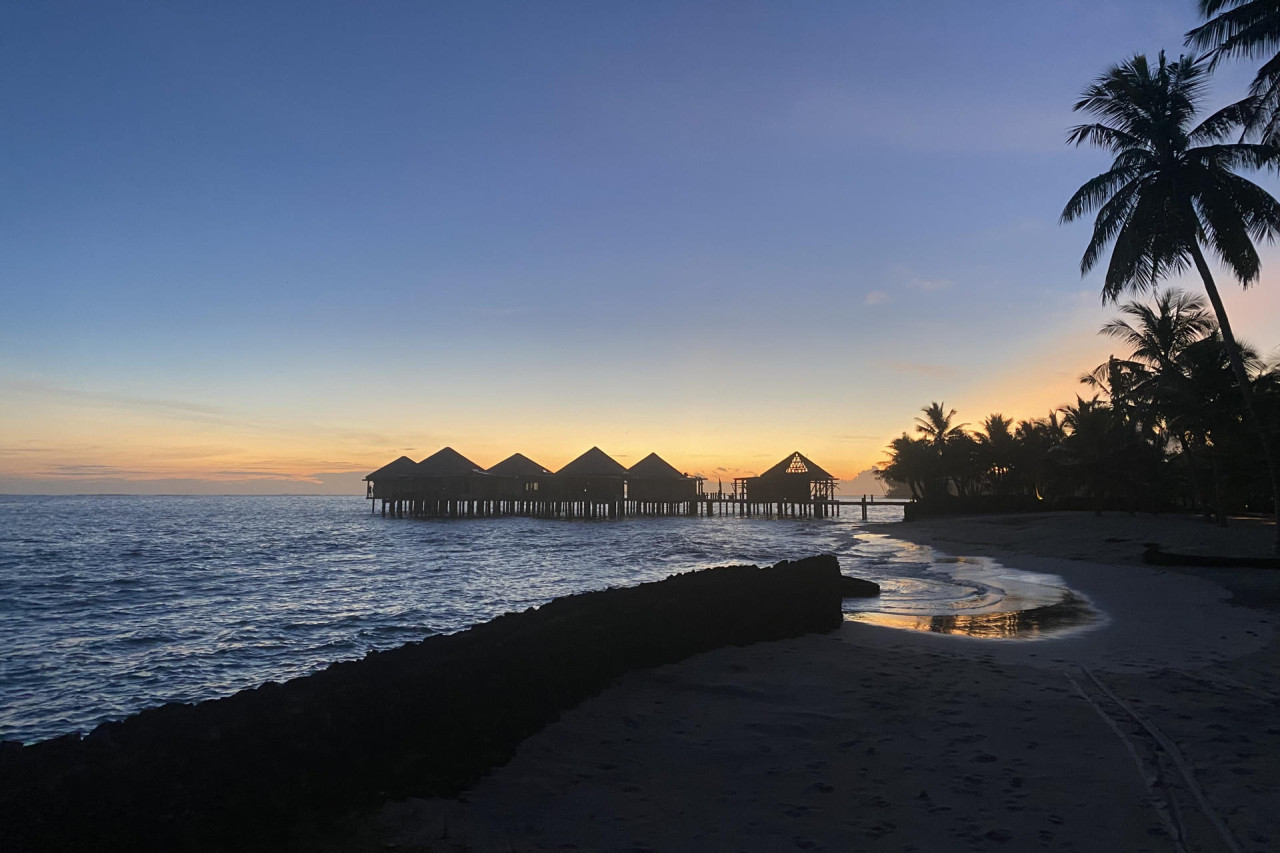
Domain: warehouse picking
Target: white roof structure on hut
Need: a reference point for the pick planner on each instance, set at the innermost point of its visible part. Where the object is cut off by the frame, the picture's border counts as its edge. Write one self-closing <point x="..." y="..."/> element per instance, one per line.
<point x="594" y="463"/>
<point x="518" y="465"/>
<point x="447" y="462"/>
<point x="654" y="467"/>
<point x="402" y="467"/>
<point x="797" y="464"/>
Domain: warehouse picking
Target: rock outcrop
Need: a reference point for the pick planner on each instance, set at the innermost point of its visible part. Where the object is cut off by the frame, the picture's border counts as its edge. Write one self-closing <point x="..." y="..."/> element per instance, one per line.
<point x="858" y="588"/>
<point x="428" y="718"/>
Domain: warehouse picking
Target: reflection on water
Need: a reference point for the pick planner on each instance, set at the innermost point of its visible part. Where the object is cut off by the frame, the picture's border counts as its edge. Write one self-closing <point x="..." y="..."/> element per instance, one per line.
<point x="1069" y="614"/>
<point x="922" y="590"/>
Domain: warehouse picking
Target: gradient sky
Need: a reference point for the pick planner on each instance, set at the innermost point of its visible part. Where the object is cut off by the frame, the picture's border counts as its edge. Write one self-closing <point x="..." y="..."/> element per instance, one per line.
<point x="252" y="247"/>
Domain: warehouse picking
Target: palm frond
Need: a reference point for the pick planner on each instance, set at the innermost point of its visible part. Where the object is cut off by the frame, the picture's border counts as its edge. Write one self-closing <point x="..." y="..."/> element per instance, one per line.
<point x="1225" y="232"/>
<point x="1264" y="123"/>
<point x="1224" y="123"/>
<point x="1104" y="136"/>
<point x="1096" y="191"/>
<point x="1111" y="219"/>
<point x="1236" y="155"/>
<point x="1248" y="29"/>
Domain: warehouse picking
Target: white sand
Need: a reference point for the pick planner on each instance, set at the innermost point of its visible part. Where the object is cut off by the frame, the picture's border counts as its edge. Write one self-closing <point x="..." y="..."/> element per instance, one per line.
<point x="1159" y="730"/>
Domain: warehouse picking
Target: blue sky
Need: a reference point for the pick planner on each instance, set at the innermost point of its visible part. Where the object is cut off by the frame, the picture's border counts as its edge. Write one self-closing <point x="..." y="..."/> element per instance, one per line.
<point x="272" y="246"/>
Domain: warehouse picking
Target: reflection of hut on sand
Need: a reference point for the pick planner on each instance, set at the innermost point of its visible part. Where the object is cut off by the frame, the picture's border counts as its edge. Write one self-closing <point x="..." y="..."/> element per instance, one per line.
<point x="447" y="484"/>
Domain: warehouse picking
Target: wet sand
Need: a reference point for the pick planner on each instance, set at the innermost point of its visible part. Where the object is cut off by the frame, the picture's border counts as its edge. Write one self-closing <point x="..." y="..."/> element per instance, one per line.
<point x="1158" y="730"/>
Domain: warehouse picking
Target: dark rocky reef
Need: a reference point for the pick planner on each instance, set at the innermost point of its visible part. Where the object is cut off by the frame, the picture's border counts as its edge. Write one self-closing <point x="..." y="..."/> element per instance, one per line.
<point x="1153" y="555"/>
<point x="425" y="719"/>
<point x="858" y="588"/>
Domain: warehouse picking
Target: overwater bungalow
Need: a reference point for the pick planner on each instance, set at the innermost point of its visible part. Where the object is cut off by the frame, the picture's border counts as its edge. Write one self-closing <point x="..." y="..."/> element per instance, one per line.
<point x="594" y="485"/>
<point x="391" y="480"/>
<point x="594" y="477"/>
<point x="519" y="478"/>
<point x="653" y="480"/>
<point x="796" y="481"/>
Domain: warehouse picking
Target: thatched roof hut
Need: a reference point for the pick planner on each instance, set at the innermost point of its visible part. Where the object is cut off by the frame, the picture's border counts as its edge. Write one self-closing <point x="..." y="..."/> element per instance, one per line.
<point x="797" y="464"/>
<point x="448" y="475"/>
<point x="519" y="465"/>
<point x="447" y="462"/>
<point x="392" y="479"/>
<point x="655" y="480"/>
<point x="594" y="463"/>
<point x="654" y="467"/>
<point x="593" y="476"/>
<point x="796" y="479"/>
<point x="402" y="467"/>
<point x="520" y="478"/>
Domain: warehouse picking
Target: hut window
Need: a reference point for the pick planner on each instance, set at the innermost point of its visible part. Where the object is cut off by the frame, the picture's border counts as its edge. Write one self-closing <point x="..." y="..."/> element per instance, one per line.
<point x="797" y="467"/>
<point x="531" y="487"/>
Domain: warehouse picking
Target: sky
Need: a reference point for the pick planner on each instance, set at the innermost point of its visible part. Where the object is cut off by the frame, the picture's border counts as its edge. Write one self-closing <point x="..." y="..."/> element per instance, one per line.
<point x="269" y="247"/>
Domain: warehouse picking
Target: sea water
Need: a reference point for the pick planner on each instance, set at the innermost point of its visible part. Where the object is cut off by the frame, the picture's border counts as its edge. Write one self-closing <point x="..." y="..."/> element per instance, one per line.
<point x="111" y="604"/>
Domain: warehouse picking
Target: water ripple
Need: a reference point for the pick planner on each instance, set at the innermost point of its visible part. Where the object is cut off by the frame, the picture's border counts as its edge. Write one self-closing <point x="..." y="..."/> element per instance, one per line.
<point x="109" y="604"/>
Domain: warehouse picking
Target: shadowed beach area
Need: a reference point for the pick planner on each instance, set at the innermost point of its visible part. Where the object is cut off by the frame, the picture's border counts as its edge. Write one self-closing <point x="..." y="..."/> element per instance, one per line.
<point x="1156" y="730"/>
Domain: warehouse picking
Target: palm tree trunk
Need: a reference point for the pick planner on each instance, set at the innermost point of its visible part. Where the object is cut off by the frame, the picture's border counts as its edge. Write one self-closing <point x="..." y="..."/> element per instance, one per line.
<point x="1242" y="377"/>
<point x="1220" y="507"/>
<point x="1197" y="496"/>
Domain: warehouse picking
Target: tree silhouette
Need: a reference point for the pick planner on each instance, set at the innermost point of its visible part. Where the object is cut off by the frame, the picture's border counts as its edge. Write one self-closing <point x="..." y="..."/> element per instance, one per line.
<point x="1172" y="188"/>
<point x="998" y="452"/>
<point x="1246" y="28"/>
<point x="936" y="426"/>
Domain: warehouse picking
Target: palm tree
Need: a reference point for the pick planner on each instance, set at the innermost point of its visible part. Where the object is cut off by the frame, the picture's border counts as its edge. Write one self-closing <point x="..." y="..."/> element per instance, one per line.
<point x="1036" y="440"/>
<point x="1102" y="455"/>
<point x="1203" y="408"/>
<point x="1246" y="28"/>
<point x="913" y="461"/>
<point x="1155" y="379"/>
<point x="998" y="450"/>
<point x="1172" y="188"/>
<point x="936" y="426"/>
<point x="1157" y="334"/>
<point x="1122" y="381"/>
<point x="949" y="442"/>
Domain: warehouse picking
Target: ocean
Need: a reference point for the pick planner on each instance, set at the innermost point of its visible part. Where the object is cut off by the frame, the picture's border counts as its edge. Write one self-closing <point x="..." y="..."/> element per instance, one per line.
<point x="111" y="604"/>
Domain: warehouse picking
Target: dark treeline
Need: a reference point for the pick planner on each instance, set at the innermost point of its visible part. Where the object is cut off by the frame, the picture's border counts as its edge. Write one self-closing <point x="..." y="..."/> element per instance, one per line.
<point x="1190" y="415"/>
<point x="1163" y="426"/>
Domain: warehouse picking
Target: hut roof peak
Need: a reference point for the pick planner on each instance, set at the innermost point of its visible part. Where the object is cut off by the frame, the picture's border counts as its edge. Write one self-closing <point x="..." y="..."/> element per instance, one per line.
<point x="798" y="463"/>
<point x="447" y="462"/>
<point x="655" y="467"/>
<point x="594" y="463"/>
<point x="399" y="468"/>
<point x="518" y="465"/>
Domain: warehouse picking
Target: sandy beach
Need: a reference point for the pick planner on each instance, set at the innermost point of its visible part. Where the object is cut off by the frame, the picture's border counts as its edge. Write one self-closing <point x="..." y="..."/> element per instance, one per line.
<point x="1156" y="730"/>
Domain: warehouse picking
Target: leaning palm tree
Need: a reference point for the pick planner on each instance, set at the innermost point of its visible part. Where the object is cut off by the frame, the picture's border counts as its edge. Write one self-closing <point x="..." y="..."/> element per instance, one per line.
<point x="1246" y="28"/>
<point x="1172" y="191"/>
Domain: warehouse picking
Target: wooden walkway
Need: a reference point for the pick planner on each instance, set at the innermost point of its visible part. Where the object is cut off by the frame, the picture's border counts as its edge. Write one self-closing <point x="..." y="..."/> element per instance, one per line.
<point x="870" y="501"/>
<point x="705" y="506"/>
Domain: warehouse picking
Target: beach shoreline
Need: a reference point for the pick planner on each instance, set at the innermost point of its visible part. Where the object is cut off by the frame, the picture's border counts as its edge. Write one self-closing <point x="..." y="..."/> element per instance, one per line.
<point x="1149" y="731"/>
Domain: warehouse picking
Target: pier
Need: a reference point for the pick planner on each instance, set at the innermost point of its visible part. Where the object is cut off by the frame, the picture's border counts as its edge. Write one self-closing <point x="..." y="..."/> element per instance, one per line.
<point x="870" y="501"/>
<point x="595" y="486"/>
